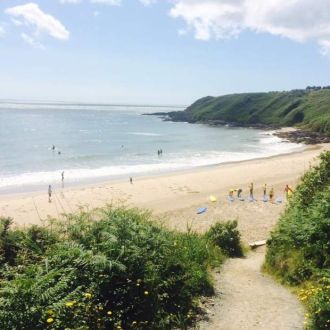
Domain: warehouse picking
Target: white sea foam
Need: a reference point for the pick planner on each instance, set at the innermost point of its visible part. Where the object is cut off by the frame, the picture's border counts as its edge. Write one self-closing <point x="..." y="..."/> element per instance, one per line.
<point x="143" y="134"/>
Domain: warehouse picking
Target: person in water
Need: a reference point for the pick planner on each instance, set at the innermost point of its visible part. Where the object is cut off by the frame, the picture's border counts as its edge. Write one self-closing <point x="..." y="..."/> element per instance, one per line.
<point x="271" y="194"/>
<point x="49" y="194"/>
<point x="62" y="175"/>
<point x="251" y="190"/>
<point x="53" y="147"/>
<point x="288" y="191"/>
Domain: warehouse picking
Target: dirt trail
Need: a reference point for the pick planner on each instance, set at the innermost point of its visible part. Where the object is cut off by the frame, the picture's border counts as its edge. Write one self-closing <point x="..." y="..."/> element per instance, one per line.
<point x="248" y="299"/>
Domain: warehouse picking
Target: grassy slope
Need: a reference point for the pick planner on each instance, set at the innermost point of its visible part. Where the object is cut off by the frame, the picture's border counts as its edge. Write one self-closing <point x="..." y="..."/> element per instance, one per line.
<point x="309" y="109"/>
<point x="299" y="249"/>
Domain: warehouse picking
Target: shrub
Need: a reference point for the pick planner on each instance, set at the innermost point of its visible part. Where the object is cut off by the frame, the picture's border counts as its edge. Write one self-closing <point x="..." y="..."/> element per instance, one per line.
<point x="299" y="248"/>
<point x="227" y="237"/>
<point x="121" y="271"/>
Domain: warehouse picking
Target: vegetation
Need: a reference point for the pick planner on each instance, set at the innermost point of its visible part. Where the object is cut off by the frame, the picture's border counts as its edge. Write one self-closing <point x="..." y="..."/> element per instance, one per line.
<point x="299" y="248"/>
<point x="227" y="237"/>
<point x="309" y="108"/>
<point x="119" y="272"/>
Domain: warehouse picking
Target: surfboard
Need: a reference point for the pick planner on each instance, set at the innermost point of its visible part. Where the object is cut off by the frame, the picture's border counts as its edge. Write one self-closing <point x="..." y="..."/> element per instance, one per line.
<point x="279" y="200"/>
<point x="213" y="199"/>
<point x="264" y="198"/>
<point x="231" y="199"/>
<point x="201" y="210"/>
<point x="255" y="244"/>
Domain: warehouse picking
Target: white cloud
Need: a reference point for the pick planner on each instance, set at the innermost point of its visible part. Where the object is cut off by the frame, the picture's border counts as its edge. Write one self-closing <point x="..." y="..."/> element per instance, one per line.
<point x="298" y="20"/>
<point x="104" y="2"/>
<point x="31" y="41"/>
<point x="32" y="15"/>
<point x="2" y="31"/>
<point x="147" y="2"/>
<point x="16" y="22"/>
<point x="70" y="1"/>
<point x="107" y="2"/>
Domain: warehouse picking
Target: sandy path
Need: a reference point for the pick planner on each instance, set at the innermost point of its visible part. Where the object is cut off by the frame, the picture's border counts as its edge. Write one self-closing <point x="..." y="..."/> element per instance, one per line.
<point x="247" y="299"/>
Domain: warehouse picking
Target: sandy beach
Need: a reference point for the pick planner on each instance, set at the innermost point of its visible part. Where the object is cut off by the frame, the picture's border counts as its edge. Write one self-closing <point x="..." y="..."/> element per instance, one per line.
<point x="174" y="198"/>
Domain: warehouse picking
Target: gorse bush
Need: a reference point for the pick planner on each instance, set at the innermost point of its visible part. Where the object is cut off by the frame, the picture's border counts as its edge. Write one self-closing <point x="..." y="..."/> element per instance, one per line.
<point x="299" y="248"/>
<point x="227" y="237"/>
<point x="119" y="272"/>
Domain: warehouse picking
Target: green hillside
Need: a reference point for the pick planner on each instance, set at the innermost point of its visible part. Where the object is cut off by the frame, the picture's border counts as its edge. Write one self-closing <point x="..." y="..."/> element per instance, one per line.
<point x="309" y="108"/>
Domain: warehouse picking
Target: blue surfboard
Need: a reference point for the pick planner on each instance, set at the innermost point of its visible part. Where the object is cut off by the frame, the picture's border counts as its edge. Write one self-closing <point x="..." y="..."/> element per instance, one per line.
<point x="279" y="200"/>
<point x="201" y="210"/>
<point x="264" y="198"/>
<point x="231" y="199"/>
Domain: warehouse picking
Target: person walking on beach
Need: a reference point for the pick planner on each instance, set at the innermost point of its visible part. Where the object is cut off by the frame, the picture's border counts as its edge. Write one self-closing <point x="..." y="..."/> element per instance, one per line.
<point x="288" y="191"/>
<point x="131" y="180"/>
<point x="265" y="189"/>
<point x="239" y="193"/>
<point x="231" y="193"/>
<point x="49" y="194"/>
<point x="271" y="195"/>
<point x="251" y="190"/>
<point x="62" y="175"/>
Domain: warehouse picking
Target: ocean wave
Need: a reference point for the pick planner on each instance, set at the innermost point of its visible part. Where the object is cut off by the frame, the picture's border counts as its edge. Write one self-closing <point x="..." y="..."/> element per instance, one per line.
<point x="143" y="134"/>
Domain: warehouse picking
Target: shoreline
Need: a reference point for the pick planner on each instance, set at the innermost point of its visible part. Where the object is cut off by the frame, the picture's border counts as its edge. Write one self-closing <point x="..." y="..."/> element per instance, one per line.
<point x="175" y="197"/>
<point x="102" y="181"/>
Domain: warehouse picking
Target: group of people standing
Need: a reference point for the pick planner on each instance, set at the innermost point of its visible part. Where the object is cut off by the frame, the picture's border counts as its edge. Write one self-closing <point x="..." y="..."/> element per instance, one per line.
<point x="288" y="191"/>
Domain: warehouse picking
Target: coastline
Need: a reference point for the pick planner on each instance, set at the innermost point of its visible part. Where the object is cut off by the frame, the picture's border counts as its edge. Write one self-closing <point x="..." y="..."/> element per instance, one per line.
<point x="175" y="197"/>
<point x="104" y="181"/>
<point x="34" y="188"/>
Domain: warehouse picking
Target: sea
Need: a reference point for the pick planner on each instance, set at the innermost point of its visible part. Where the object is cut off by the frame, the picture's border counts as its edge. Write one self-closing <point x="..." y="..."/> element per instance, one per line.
<point x="96" y="143"/>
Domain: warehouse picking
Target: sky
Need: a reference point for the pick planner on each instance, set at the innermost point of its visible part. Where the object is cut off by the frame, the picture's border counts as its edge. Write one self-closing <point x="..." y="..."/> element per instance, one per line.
<point x="160" y="51"/>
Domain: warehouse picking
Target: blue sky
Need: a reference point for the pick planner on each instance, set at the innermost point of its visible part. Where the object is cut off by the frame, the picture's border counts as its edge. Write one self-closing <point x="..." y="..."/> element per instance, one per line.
<point x="166" y="52"/>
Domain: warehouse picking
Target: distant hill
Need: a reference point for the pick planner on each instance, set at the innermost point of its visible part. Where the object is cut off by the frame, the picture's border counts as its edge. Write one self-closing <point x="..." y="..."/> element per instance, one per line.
<point x="308" y="108"/>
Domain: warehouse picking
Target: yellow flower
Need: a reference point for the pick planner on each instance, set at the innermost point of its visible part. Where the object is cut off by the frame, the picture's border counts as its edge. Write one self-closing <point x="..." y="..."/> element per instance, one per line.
<point x="146" y="293"/>
<point x="109" y="312"/>
<point x="50" y="320"/>
<point x="70" y="303"/>
<point x="88" y="295"/>
<point x="137" y="284"/>
<point x="50" y="312"/>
